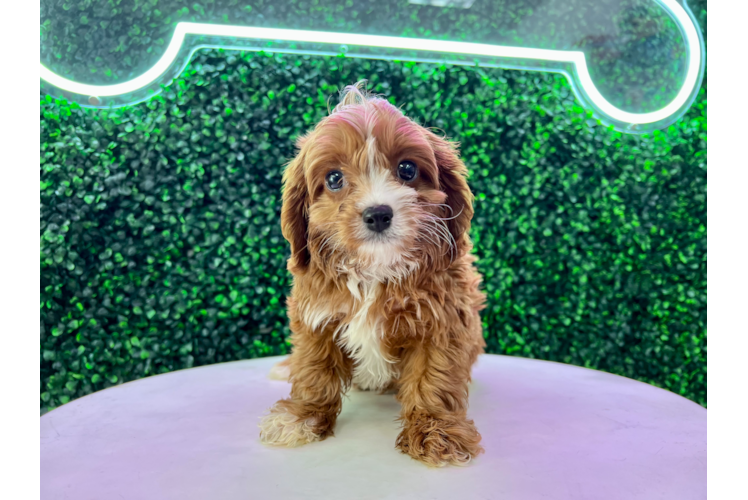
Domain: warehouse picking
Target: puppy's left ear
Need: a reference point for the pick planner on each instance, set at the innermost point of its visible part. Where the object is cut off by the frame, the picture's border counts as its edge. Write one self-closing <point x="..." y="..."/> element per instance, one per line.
<point x="452" y="181"/>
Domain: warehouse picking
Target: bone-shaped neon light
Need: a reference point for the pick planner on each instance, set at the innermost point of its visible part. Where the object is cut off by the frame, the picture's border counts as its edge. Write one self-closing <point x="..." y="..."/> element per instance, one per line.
<point x="576" y="58"/>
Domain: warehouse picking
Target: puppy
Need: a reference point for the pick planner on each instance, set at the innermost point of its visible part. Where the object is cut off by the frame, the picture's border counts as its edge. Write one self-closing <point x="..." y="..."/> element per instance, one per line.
<point x="385" y="293"/>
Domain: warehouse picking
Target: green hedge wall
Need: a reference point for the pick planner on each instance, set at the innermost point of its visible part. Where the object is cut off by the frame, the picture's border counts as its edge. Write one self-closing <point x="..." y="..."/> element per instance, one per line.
<point x="161" y="246"/>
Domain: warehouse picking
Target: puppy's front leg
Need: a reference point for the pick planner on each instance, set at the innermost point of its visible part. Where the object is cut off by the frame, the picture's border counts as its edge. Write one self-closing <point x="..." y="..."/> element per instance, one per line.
<point x="320" y="372"/>
<point x="434" y="397"/>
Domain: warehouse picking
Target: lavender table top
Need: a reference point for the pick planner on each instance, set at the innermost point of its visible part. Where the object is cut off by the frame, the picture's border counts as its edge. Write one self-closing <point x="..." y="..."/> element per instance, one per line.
<point x="551" y="431"/>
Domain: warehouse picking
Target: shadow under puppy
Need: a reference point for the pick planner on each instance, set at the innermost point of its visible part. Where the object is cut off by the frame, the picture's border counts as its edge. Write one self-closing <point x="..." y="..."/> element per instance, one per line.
<point x="385" y="293"/>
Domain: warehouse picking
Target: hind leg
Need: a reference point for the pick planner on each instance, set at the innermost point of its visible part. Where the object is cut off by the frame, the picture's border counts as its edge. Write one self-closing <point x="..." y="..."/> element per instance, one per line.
<point x="281" y="370"/>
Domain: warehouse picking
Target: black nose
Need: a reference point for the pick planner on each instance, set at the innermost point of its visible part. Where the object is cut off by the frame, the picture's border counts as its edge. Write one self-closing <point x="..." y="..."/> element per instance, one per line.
<point x="378" y="218"/>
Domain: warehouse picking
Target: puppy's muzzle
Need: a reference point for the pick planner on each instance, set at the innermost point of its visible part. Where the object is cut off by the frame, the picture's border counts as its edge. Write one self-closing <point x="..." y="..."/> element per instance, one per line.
<point x="377" y="218"/>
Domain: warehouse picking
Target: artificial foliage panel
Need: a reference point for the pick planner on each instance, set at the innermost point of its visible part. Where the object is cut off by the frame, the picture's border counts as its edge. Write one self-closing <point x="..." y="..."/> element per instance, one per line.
<point x="161" y="246"/>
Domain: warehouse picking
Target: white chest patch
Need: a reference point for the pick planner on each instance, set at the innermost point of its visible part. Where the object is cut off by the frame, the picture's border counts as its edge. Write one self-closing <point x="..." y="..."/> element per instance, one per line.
<point x="362" y="337"/>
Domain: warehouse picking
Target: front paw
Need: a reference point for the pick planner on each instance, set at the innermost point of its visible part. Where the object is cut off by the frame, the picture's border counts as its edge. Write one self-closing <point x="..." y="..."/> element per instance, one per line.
<point x="439" y="441"/>
<point x="282" y="428"/>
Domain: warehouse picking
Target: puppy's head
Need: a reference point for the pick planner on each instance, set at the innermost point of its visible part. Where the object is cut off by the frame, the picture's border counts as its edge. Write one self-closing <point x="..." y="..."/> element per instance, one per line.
<point x="373" y="191"/>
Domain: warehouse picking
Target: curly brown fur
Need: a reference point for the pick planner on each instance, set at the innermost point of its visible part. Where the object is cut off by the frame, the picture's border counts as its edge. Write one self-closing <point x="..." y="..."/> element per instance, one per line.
<point x="439" y="441"/>
<point x="397" y="309"/>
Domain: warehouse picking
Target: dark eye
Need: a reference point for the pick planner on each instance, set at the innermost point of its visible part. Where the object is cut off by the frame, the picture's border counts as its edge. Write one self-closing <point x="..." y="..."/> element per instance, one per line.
<point x="334" y="180"/>
<point x="407" y="170"/>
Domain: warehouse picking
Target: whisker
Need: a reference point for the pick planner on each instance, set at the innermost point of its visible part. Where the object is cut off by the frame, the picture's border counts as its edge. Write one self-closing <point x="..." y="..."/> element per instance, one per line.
<point x="326" y="242"/>
<point x="440" y="236"/>
<point x="432" y="216"/>
<point x="438" y="205"/>
<point x="439" y="232"/>
<point x="434" y="232"/>
<point x="442" y="228"/>
<point x="428" y="238"/>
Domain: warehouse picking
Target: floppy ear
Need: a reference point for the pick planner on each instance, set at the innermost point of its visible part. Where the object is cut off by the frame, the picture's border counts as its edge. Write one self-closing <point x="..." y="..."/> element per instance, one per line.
<point x="452" y="181"/>
<point x="294" y="212"/>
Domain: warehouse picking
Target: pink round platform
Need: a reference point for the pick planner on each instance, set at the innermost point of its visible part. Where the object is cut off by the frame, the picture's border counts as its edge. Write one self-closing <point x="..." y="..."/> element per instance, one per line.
<point x="551" y="431"/>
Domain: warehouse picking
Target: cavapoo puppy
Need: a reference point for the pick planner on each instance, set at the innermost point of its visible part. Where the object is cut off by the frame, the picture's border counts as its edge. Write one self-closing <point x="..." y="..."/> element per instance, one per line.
<point x="385" y="293"/>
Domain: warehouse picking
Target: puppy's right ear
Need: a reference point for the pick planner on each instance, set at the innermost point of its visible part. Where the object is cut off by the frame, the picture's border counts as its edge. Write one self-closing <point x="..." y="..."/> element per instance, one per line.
<point x="294" y="213"/>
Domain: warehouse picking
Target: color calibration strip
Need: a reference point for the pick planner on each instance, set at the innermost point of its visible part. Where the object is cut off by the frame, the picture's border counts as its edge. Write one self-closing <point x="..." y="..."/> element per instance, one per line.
<point x="727" y="270"/>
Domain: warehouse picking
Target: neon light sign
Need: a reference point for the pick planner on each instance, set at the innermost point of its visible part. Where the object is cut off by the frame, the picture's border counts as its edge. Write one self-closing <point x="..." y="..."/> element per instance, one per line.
<point x="189" y="37"/>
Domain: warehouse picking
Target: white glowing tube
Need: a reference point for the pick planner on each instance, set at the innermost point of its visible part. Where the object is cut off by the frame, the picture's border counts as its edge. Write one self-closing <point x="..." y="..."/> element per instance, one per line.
<point x="441" y="46"/>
